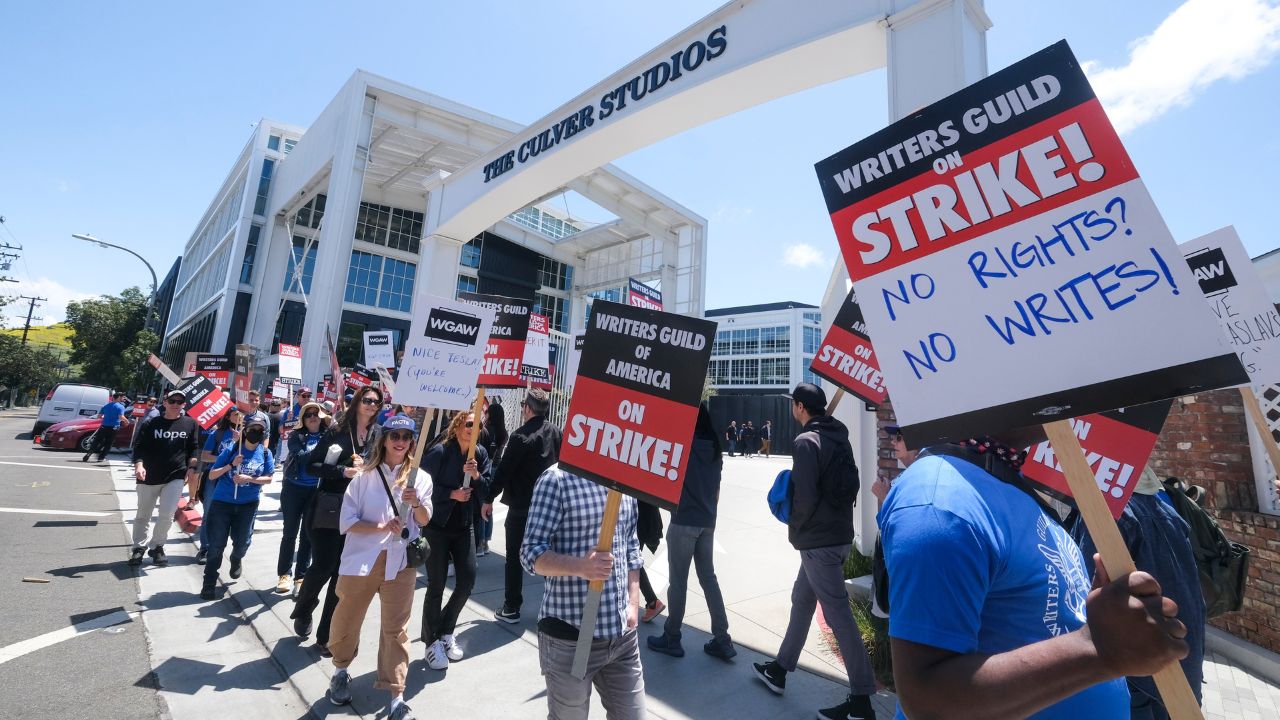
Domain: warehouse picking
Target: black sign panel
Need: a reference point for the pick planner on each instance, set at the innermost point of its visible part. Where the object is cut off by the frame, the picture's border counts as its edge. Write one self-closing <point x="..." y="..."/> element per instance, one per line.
<point x="637" y="348"/>
<point x="1211" y="270"/>
<point x="451" y="327"/>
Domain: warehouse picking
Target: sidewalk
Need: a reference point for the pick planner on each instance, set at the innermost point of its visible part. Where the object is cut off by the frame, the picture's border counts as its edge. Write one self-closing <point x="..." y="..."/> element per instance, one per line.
<point x="240" y="651"/>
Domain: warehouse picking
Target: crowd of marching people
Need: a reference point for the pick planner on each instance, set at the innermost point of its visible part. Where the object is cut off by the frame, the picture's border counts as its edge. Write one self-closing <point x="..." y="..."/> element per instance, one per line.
<point x="988" y="594"/>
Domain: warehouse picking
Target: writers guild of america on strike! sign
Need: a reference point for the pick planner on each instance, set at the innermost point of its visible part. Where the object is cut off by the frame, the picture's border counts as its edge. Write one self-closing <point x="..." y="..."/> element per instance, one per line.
<point x="1010" y="264"/>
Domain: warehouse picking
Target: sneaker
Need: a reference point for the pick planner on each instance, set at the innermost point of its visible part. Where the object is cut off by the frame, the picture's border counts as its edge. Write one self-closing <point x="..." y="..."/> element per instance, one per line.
<point x="507" y="615"/>
<point x="324" y="650"/>
<point x="652" y="610"/>
<point x="401" y="712"/>
<point x="855" y="707"/>
<point x="666" y="645"/>
<point x="302" y="626"/>
<point x="85" y="458"/>
<point x="437" y="656"/>
<point x="339" y="692"/>
<point x="202" y="556"/>
<point x="283" y="585"/>
<point x="297" y="588"/>
<point x="158" y="556"/>
<point x="206" y="593"/>
<point x="482" y="550"/>
<point x="772" y="674"/>
<point x="235" y="568"/>
<point x="450" y="569"/>
<point x="452" y="650"/>
<point x="135" y="557"/>
<point x="722" y="649"/>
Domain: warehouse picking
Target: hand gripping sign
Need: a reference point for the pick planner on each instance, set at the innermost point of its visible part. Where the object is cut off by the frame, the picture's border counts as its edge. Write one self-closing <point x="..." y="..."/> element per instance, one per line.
<point x="505" y="349"/>
<point x="1013" y="270"/>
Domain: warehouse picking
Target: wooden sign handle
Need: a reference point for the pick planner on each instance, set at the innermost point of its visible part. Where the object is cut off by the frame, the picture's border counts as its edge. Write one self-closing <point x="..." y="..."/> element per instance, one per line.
<point x="423" y="437"/>
<point x="1172" y="684"/>
<point x="612" y="504"/>
<point x="591" y="610"/>
<point x="835" y="400"/>
<point x="1253" y="405"/>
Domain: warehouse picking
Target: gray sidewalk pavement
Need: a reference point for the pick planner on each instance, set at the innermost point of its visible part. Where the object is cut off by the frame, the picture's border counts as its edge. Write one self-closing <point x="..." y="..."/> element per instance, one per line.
<point x="238" y="653"/>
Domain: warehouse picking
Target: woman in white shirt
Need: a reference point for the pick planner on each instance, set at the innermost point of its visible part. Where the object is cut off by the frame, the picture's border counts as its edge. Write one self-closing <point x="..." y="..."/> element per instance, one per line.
<point x="374" y="562"/>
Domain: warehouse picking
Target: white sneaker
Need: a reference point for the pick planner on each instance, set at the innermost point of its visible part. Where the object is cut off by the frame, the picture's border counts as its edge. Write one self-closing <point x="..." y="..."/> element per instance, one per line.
<point x="451" y="648"/>
<point x="450" y="569"/>
<point x="437" y="656"/>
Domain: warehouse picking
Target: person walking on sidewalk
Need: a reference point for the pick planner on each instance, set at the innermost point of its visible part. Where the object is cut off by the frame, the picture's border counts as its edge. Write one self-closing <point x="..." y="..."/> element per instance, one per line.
<point x="296" y="496"/>
<point x="691" y="538"/>
<point x="163" y="458"/>
<point x="104" y="437"/>
<point x="565" y="516"/>
<point x="356" y="435"/>
<point x="239" y="474"/>
<point x="766" y="437"/>
<point x="731" y="437"/>
<point x="450" y="534"/>
<point x="382" y="509"/>
<point x="824" y="485"/>
<point x="531" y="449"/>
<point x="649" y="530"/>
<point x="224" y="436"/>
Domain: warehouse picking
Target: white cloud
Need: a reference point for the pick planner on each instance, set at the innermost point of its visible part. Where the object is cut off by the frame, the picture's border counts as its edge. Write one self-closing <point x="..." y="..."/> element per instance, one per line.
<point x="53" y="310"/>
<point x="803" y="255"/>
<point x="1200" y="43"/>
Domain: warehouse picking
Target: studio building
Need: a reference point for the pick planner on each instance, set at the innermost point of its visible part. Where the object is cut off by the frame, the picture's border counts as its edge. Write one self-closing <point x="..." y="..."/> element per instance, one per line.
<point x="322" y="228"/>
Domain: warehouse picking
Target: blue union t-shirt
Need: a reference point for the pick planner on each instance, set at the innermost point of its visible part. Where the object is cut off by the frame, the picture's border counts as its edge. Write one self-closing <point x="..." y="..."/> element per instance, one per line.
<point x="255" y="462"/>
<point x="975" y="566"/>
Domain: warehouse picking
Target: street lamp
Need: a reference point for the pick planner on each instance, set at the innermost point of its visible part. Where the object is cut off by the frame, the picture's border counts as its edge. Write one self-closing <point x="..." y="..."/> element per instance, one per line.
<point x="102" y="243"/>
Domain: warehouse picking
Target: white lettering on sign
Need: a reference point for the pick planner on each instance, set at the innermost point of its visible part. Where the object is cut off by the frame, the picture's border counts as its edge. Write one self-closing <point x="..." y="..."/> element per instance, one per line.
<point x="660" y="457"/>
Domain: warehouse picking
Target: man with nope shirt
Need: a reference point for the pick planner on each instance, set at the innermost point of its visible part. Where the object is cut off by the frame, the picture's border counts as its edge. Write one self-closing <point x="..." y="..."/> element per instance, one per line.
<point x="163" y="458"/>
<point x="991" y="614"/>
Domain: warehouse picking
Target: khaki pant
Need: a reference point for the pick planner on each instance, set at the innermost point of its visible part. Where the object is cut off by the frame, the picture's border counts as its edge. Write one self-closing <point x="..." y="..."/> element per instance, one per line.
<point x="354" y="595"/>
<point x="764" y="446"/>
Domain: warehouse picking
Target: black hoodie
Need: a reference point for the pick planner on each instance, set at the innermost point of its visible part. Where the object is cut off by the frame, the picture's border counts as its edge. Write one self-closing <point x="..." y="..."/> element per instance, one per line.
<point x="816" y="521"/>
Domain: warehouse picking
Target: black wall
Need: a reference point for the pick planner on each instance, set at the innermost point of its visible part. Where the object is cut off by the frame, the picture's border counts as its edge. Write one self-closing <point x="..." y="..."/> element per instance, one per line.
<point x="507" y="269"/>
<point x="757" y="409"/>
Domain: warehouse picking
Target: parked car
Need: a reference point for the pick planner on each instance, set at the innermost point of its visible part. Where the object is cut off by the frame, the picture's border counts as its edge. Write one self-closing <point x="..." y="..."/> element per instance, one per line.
<point x="70" y="401"/>
<point x="75" y="434"/>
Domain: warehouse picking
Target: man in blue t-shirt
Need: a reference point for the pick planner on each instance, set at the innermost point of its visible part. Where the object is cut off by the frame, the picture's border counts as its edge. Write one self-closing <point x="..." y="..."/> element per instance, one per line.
<point x="103" y="438"/>
<point x="240" y="472"/>
<point x="988" y="598"/>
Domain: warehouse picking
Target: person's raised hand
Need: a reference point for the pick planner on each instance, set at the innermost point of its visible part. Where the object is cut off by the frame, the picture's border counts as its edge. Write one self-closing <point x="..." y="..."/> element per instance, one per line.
<point x="1134" y="629"/>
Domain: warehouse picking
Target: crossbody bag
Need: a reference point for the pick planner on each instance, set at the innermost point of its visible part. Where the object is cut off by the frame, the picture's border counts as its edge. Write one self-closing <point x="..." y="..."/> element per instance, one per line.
<point x="417" y="551"/>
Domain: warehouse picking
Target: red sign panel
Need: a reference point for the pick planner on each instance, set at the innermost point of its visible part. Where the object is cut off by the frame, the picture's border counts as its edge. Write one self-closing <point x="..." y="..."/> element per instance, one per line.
<point x="846" y="358"/>
<point x="206" y="404"/>
<point x="635" y="403"/>
<point x="1116" y="444"/>
<point x="505" y="350"/>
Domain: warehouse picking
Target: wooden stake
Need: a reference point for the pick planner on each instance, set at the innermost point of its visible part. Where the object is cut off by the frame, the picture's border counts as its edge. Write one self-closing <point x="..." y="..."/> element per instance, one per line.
<point x="477" y="411"/>
<point x="1253" y="405"/>
<point x="592" y="609"/>
<point x="423" y="438"/>
<point x="1172" y="684"/>
<point x="835" y="400"/>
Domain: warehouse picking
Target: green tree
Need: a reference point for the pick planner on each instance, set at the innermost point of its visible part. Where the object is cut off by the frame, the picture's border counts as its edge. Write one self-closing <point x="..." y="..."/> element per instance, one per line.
<point x="25" y="367"/>
<point x="108" y="341"/>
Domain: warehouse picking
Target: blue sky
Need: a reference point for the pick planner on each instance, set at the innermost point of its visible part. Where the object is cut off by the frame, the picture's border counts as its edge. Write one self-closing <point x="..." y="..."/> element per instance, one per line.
<point x="122" y="119"/>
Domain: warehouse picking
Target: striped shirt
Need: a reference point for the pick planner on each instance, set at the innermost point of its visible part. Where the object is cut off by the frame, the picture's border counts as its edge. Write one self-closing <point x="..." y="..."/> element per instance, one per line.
<point x="565" y="516"/>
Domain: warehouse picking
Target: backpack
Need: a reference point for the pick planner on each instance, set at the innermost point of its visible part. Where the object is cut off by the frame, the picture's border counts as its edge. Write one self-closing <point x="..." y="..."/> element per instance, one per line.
<point x="1223" y="564"/>
<point x="780" y="496"/>
<point x="842" y="488"/>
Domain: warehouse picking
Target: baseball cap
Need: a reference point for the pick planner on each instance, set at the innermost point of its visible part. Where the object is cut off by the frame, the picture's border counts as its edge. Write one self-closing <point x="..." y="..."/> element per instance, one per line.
<point x="257" y="418"/>
<point x="893" y="430"/>
<point x="400" y="422"/>
<point x="176" y="392"/>
<point x="809" y="395"/>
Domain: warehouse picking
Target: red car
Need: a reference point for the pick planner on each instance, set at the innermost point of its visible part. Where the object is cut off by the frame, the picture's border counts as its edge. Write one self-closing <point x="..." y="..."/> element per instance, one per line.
<point x="75" y="434"/>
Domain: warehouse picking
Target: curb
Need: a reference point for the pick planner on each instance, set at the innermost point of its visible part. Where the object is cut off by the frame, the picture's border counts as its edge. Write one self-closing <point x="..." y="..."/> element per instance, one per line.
<point x="1257" y="660"/>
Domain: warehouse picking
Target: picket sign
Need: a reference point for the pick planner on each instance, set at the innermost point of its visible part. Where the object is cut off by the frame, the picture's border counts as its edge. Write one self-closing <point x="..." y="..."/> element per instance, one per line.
<point x="475" y="433"/>
<point x="1170" y="681"/>
<point x="1254" y="406"/>
<point x="163" y="369"/>
<point x="612" y="503"/>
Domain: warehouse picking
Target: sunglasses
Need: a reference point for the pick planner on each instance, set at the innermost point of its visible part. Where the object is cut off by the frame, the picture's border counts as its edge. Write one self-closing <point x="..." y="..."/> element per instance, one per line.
<point x="310" y="416"/>
<point x="400" y="436"/>
<point x="369" y="400"/>
<point x="470" y="424"/>
<point x="173" y="401"/>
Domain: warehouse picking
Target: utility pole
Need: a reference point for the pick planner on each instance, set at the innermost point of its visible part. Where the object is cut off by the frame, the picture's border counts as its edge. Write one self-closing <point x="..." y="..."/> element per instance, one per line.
<point x="31" y="308"/>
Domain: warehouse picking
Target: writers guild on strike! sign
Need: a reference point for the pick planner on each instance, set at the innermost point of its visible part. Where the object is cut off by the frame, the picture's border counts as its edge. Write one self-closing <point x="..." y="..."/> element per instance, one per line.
<point x="505" y="349"/>
<point x="636" y="399"/>
<point x="205" y="402"/>
<point x="1006" y="227"/>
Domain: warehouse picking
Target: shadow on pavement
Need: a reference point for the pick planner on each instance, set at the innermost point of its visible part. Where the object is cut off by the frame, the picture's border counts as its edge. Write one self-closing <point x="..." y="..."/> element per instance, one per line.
<point x="120" y="569"/>
<point x="186" y="676"/>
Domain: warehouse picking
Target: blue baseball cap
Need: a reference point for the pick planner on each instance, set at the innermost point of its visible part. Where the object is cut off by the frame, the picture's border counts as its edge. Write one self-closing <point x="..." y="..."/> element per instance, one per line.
<point x="400" y="422"/>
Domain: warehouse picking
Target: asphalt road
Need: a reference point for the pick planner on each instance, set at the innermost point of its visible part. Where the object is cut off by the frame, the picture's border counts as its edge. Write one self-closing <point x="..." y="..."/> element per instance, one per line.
<point x="105" y="673"/>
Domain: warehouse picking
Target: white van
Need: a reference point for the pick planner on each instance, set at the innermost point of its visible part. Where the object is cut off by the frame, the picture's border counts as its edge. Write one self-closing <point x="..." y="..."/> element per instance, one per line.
<point x="69" y="401"/>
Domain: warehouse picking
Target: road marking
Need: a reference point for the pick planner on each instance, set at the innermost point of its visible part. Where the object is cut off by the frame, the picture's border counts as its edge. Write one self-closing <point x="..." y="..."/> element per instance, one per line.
<point x="36" y="484"/>
<point x="76" y="513"/>
<point x="18" y="649"/>
<point x="55" y="467"/>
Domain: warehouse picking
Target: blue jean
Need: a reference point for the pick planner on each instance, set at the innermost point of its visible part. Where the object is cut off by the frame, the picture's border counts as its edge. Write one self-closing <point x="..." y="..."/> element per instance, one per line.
<point x="294" y="499"/>
<point x="686" y="544"/>
<point x="227" y="521"/>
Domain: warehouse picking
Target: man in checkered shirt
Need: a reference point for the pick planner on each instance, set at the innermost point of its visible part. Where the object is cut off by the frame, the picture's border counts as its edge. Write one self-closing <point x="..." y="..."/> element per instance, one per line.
<point x="559" y="543"/>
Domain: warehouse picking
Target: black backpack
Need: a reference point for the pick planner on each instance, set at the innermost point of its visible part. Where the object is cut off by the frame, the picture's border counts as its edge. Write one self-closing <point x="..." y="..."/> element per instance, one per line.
<point x="1223" y="564"/>
<point x="843" y="484"/>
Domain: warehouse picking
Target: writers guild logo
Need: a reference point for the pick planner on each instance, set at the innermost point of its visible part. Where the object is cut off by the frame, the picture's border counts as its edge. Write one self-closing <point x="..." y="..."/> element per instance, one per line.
<point x="1212" y="271"/>
<point x="382" y="340"/>
<point x="451" y="327"/>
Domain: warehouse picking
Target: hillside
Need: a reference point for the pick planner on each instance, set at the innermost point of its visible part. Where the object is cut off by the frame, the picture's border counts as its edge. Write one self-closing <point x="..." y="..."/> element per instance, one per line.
<point x="58" y="335"/>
